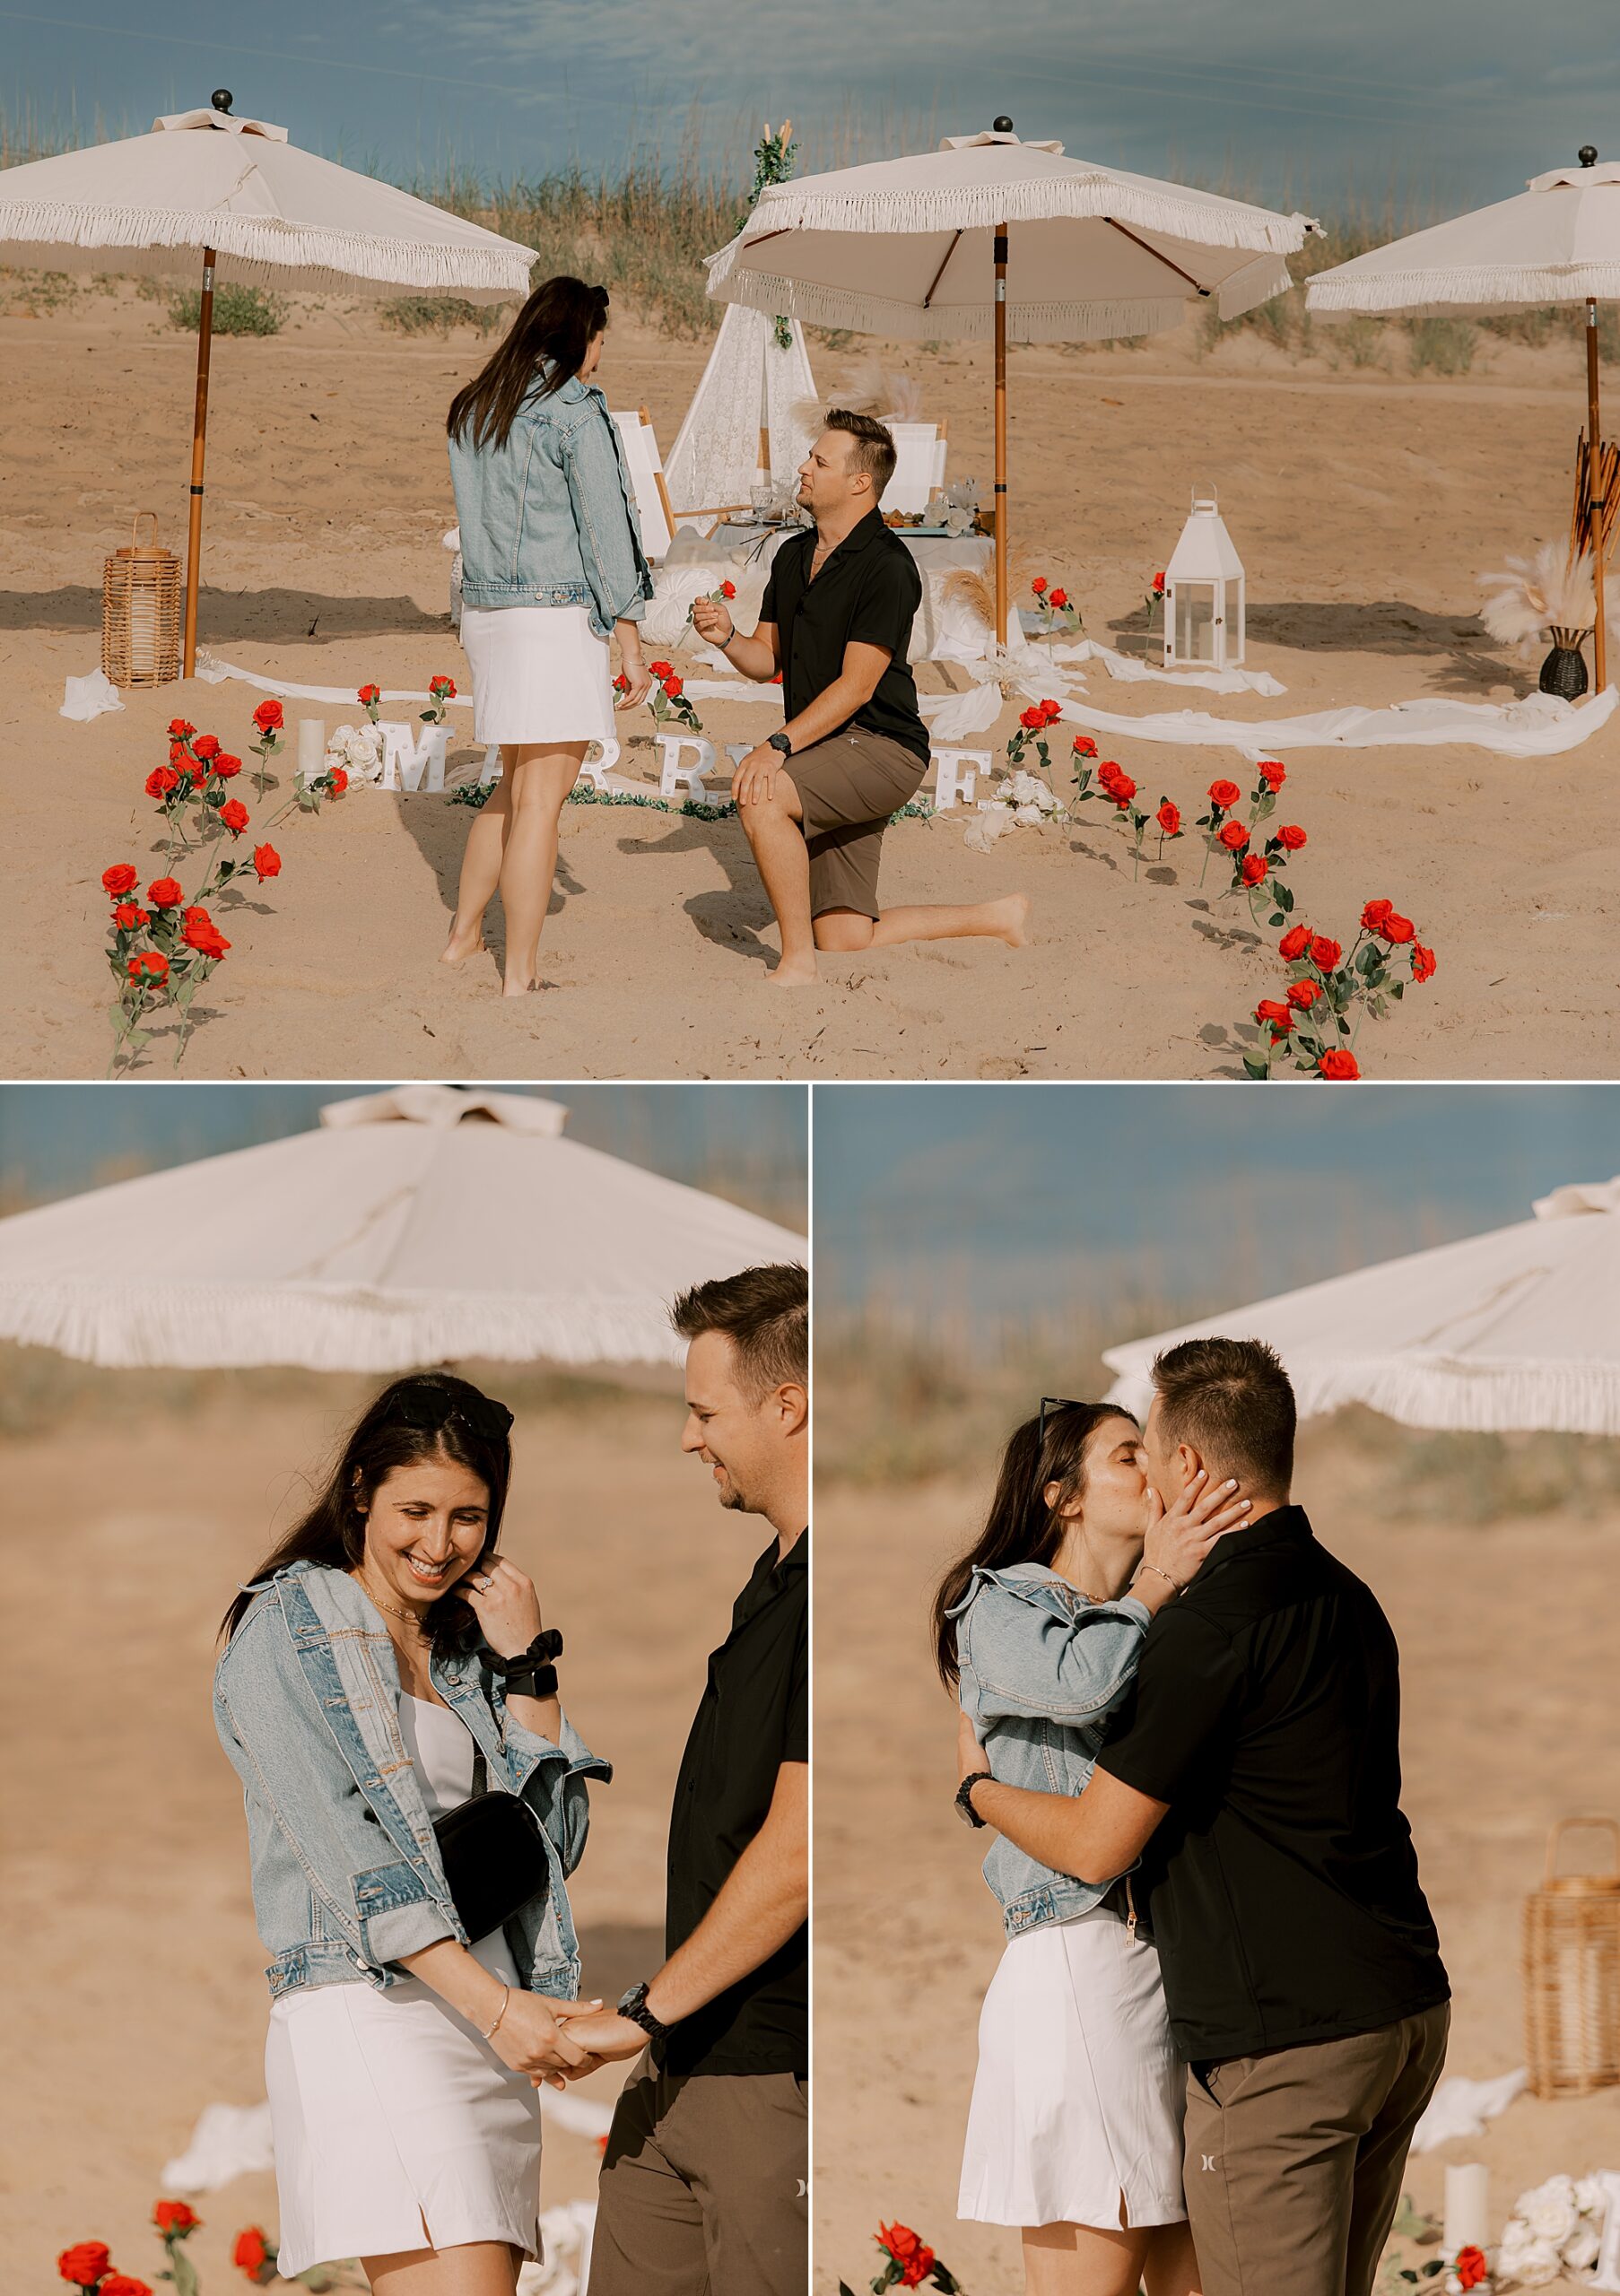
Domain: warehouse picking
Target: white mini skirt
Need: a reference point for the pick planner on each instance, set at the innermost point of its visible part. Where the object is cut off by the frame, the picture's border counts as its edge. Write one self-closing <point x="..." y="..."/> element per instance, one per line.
<point x="540" y="673"/>
<point x="1078" y="2099"/>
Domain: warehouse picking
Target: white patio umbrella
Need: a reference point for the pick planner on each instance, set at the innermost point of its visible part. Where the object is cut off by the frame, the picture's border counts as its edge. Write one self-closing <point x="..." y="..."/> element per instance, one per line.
<point x="254" y="207"/>
<point x="1517" y="1328"/>
<point x="1556" y="242"/>
<point x="992" y="236"/>
<point x="413" y="1227"/>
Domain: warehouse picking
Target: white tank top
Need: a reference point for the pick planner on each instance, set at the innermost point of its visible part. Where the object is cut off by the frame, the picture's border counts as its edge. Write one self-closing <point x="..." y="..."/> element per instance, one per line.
<point x="440" y="1747"/>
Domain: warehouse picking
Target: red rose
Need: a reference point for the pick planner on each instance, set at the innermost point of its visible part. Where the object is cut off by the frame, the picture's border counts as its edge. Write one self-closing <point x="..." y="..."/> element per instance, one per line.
<point x="1060" y="598"/>
<point x="268" y="718"/>
<point x="267" y="861"/>
<point x="128" y="918"/>
<point x="85" y="2263"/>
<point x="1294" y="943"/>
<point x="675" y="688"/>
<point x="175" y="2216"/>
<point x="1471" y="2267"/>
<point x="1224" y="794"/>
<point x="1121" y="788"/>
<point x="367" y="694"/>
<point x="1170" y="819"/>
<point x="1324" y="953"/>
<point x="1422" y="961"/>
<point x="729" y="589"/>
<point x="1084" y="745"/>
<point x="206" y="745"/>
<point x="919" y="2269"/>
<point x="1290" y="838"/>
<point x="200" y="771"/>
<point x="179" y="755"/>
<point x="621" y="683"/>
<point x="180" y="729"/>
<point x="662" y="669"/>
<point x="151" y="963"/>
<point x="1271" y="1015"/>
<point x="119" y="880"/>
<point x="1039" y="585"/>
<point x="160" y="780"/>
<point x="252" y="2250"/>
<point x="163" y="892"/>
<point x="899" y="2241"/>
<point x="1398" y="928"/>
<point x="1303" y="995"/>
<point x="233" y="814"/>
<point x="1338" y="1067"/>
<point x="442" y="689"/>
<point x="1374" y="914"/>
<point x="1254" y="867"/>
<point x="1051" y="711"/>
<point x="339" y="779"/>
<point x="1034" y="721"/>
<point x="1234" y="836"/>
<point x="119" y="2284"/>
<point x="226" y="766"/>
<point x="1272" y="773"/>
<point x="201" y="933"/>
<point x="1159" y="583"/>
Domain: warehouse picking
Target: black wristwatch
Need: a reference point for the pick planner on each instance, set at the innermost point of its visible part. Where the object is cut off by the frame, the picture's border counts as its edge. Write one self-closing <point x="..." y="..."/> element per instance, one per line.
<point x="531" y="1673"/>
<point x="633" y="2005"/>
<point x="780" y="741"/>
<point x="964" y="1797"/>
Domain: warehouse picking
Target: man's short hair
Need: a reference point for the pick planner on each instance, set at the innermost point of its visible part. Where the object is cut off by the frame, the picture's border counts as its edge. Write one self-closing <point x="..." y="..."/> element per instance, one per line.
<point x="874" y="447"/>
<point x="1231" y="1401"/>
<point x="765" y="1313"/>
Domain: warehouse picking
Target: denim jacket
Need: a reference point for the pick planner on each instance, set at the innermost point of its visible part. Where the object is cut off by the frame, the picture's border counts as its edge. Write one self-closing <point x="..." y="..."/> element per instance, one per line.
<point x="549" y="518"/>
<point x="346" y="1874"/>
<point x="1041" y="1668"/>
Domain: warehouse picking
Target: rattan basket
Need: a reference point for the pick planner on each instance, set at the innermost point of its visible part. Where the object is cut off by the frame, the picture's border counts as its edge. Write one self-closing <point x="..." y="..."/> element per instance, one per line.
<point x="1571" y="1973"/>
<point x="141" y="612"/>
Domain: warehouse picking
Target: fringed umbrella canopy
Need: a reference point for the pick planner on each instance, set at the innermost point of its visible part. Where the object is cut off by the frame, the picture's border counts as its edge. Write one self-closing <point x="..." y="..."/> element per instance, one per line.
<point x="1516" y="1329"/>
<point x="991" y="236"/>
<point x="1558" y="241"/>
<point x="418" y="1226"/>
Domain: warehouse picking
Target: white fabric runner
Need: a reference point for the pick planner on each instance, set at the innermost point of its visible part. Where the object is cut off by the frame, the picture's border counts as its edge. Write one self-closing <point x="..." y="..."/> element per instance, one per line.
<point x="1539" y="726"/>
<point x="1131" y="672"/>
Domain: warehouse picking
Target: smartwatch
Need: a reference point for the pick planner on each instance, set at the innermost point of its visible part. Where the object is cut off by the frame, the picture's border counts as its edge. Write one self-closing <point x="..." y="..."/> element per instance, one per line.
<point x="780" y="741"/>
<point x="633" y="2005"/>
<point x="964" y="1797"/>
<point x="532" y="1674"/>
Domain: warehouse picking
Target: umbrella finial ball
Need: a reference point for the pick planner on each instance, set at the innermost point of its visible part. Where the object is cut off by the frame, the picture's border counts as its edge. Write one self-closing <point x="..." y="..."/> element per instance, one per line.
<point x="1589" y="155"/>
<point x="1003" y="125"/>
<point x="221" y="100"/>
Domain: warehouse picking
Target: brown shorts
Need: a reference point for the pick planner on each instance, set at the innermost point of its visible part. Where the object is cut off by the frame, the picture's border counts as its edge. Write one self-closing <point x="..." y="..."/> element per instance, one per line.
<point x="848" y="787"/>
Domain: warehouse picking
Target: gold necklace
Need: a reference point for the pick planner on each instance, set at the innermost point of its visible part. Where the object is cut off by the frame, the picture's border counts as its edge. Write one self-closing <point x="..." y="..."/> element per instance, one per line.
<point x="409" y="1617"/>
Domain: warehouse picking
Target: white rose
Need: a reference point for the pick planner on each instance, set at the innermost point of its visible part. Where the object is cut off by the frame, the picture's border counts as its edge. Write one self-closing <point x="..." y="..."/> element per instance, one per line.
<point x="1550" y="2211"/>
<point x="1591" y="2197"/>
<point x="1579" y="2251"/>
<point x="1515" y="2241"/>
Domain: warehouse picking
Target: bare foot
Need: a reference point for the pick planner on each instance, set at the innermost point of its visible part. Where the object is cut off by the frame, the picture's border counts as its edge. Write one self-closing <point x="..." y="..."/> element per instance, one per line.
<point x="800" y="974"/>
<point x="1012" y="917"/>
<point x="460" y="946"/>
<point x="521" y="987"/>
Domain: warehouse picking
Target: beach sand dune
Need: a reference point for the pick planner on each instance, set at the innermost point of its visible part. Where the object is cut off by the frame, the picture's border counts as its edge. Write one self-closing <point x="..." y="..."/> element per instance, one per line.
<point x="1506" y="1636"/>
<point x="1364" y="501"/>
<point x="139" y="1995"/>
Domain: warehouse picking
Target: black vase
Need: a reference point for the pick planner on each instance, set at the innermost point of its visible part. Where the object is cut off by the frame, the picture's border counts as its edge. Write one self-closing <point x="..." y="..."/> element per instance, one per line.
<point x="1563" y="673"/>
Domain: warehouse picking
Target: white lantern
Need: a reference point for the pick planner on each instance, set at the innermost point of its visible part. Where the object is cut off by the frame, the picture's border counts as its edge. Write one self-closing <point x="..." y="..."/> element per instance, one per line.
<point x="1203" y="611"/>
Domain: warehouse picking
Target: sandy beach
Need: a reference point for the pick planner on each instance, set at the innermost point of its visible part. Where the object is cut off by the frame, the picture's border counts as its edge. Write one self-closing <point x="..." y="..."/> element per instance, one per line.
<point x="124" y="1892"/>
<point x="1506" y="1641"/>
<point x="1364" y="500"/>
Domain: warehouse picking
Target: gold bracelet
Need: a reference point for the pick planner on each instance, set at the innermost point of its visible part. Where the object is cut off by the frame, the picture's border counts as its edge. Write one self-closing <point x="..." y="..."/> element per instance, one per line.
<point x="1169" y="1581"/>
<point x="506" y="1995"/>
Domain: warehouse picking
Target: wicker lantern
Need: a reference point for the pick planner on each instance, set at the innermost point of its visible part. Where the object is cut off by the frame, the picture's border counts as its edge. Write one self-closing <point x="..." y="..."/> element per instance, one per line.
<point x="1571" y="1973"/>
<point x="141" y="612"/>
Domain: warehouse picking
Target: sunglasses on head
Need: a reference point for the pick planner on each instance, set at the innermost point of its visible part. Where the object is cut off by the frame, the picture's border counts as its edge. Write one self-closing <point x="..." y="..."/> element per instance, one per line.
<point x="430" y="1409"/>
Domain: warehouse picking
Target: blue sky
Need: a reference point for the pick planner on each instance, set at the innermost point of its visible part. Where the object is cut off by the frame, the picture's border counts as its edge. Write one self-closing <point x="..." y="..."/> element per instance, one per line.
<point x="1045" y="1197"/>
<point x="746" y="1141"/>
<point x="1456" y="101"/>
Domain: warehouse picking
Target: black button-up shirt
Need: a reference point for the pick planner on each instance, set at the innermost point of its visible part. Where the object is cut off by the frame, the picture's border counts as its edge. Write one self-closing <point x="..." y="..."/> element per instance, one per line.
<point x="754" y="1716"/>
<point x="1281" y="1887"/>
<point x="866" y="594"/>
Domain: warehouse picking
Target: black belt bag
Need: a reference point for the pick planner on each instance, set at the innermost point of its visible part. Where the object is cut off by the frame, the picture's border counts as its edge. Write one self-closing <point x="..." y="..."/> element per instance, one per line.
<point x="493" y="1851"/>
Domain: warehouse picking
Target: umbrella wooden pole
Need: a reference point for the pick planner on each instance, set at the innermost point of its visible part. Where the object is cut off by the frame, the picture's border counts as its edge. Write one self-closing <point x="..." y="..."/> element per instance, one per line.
<point x="1594" y="497"/>
<point x="1001" y="536"/>
<point x="199" y="441"/>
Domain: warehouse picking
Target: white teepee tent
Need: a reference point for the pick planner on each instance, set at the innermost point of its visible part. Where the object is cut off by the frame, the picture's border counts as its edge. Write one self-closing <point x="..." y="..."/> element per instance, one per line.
<point x="741" y="428"/>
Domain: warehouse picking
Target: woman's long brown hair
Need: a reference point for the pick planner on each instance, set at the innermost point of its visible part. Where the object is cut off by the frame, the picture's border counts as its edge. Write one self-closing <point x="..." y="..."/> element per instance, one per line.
<point x="1020" y="1526"/>
<point x="544" y="346"/>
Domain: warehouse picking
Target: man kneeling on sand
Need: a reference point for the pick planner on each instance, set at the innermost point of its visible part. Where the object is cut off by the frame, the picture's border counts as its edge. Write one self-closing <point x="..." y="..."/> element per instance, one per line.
<point x="815" y="798"/>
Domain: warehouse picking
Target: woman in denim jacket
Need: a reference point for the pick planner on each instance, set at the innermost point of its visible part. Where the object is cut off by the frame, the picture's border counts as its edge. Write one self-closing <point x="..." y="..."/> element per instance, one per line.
<point x="1075" y="2129"/>
<point x="552" y="561"/>
<point x="380" y="1650"/>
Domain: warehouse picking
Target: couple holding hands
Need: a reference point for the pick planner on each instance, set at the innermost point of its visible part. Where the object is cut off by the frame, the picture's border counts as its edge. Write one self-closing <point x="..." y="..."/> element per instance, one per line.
<point x="416" y="1799"/>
